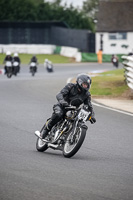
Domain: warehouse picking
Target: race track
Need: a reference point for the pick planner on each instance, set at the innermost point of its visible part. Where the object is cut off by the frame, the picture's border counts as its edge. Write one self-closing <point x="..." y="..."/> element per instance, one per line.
<point x="101" y="170"/>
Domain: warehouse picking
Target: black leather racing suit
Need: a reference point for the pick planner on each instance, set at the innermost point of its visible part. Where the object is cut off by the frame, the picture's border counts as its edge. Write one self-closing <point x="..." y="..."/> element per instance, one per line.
<point x="34" y="59"/>
<point x="7" y="58"/>
<point x="68" y="93"/>
<point x="17" y="59"/>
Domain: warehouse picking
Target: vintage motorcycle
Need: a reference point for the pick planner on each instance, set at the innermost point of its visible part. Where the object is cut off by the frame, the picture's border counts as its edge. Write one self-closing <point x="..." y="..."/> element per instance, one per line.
<point x="33" y="68"/>
<point x="9" y="69"/>
<point x="115" y="61"/>
<point x="49" y="67"/>
<point x="15" y="67"/>
<point x="68" y="134"/>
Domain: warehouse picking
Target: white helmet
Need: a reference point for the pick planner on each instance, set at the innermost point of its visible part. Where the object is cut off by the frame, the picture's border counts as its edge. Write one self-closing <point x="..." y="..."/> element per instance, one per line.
<point x="8" y="53"/>
<point x="46" y="60"/>
<point x="15" y="54"/>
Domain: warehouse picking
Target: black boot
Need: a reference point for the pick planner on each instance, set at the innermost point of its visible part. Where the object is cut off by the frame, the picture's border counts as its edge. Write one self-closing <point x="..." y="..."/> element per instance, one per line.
<point x="44" y="133"/>
<point x="48" y="126"/>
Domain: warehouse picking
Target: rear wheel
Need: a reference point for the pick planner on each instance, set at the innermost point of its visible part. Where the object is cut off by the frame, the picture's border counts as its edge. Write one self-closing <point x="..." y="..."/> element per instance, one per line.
<point x="74" y="142"/>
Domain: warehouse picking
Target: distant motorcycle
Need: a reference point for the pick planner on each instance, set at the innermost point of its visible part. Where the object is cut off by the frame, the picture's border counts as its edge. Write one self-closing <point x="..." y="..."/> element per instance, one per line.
<point x="9" y="69"/>
<point x="15" y="67"/>
<point x="115" y="61"/>
<point x="49" y="66"/>
<point x="68" y="134"/>
<point x="33" y="68"/>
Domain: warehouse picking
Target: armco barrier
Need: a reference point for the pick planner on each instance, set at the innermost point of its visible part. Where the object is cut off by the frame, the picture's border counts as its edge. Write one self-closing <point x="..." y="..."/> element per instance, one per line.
<point x="128" y="66"/>
<point x="30" y="49"/>
<point x="71" y="52"/>
<point x="42" y="49"/>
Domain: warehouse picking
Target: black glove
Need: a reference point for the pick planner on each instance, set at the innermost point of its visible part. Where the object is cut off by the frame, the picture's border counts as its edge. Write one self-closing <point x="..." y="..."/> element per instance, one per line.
<point x="92" y="120"/>
<point x="64" y="103"/>
<point x="86" y="107"/>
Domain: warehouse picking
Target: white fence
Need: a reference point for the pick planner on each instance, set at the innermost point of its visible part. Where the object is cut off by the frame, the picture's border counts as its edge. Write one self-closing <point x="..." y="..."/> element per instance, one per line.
<point x="29" y="49"/>
<point x="128" y="66"/>
<point x="41" y="49"/>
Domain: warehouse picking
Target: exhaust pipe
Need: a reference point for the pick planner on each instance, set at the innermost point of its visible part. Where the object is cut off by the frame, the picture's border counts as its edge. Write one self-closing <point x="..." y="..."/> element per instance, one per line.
<point x="53" y="146"/>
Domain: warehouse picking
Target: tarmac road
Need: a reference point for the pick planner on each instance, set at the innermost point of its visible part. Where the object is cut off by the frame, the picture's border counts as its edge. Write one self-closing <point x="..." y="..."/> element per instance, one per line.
<point x="101" y="170"/>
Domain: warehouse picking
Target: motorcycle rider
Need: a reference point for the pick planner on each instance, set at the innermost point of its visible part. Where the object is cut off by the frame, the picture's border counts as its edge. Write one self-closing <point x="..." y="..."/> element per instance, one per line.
<point x="51" y="64"/>
<point x="16" y="59"/>
<point x="71" y="91"/>
<point x="34" y="59"/>
<point x="46" y="63"/>
<point x="7" y="58"/>
<point x="114" y="60"/>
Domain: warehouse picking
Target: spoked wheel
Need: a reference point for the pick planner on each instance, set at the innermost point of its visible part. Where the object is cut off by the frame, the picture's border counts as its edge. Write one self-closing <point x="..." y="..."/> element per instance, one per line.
<point x="40" y="145"/>
<point x="74" y="142"/>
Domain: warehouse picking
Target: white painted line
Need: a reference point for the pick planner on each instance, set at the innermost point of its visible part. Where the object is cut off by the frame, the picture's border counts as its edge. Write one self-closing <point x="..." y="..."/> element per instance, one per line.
<point x="113" y="109"/>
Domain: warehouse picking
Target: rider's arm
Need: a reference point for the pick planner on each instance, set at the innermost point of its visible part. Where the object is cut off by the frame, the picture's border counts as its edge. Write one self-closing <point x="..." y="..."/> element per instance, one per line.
<point x="88" y="103"/>
<point x="19" y="60"/>
<point x="62" y="95"/>
<point x="90" y="108"/>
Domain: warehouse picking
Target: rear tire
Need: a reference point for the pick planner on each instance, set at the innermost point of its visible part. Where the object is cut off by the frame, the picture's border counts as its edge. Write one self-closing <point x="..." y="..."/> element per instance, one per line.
<point x="40" y="145"/>
<point x="71" y="148"/>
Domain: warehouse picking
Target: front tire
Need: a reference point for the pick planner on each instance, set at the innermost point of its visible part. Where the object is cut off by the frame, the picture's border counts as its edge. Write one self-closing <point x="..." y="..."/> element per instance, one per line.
<point x="40" y="145"/>
<point x="71" y="147"/>
<point x="9" y="75"/>
<point x="33" y="73"/>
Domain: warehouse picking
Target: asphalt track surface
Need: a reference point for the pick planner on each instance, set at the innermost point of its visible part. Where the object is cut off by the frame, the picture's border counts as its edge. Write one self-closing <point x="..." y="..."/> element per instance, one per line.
<point x="101" y="170"/>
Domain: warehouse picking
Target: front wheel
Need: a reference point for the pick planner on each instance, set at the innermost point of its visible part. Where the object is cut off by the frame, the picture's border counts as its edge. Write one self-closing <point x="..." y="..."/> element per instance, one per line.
<point x="40" y="145"/>
<point x="9" y="75"/>
<point x="74" y="142"/>
<point x="33" y="73"/>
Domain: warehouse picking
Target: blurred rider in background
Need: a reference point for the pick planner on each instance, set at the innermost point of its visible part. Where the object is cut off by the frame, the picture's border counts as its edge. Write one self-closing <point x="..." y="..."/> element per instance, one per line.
<point x="34" y="60"/>
<point x="17" y="59"/>
<point x="7" y="58"/>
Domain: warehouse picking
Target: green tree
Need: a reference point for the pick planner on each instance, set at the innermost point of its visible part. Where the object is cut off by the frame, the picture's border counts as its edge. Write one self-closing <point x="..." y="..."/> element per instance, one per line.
<point x="90" y="8"/>
<point x="43" y="12"/>
<point x="36" y="2"/>
<point x="39" y="10"/>
<point x="56" y="3"/>
<point x="17" y="10"/>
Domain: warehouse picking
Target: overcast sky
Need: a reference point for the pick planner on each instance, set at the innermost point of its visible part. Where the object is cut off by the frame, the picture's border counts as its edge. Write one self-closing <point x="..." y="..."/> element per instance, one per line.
<point x="68" y="2"/>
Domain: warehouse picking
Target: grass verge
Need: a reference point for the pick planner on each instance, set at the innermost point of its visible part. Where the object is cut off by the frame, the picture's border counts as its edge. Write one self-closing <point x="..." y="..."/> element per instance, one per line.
<point x="55" y="58"/>
<point x="111" y="84"/>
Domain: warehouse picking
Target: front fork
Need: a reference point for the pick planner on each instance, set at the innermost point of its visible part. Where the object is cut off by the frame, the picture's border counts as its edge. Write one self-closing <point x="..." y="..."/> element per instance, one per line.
<point x="81" y="124"/>
<point x="74" y="130"/>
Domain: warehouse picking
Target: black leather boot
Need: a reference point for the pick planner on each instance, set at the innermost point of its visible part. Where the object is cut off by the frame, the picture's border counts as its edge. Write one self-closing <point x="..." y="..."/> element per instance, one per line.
<point x="44" y="133"/>
<point x="46" y="129"/>
<point x="48" y="126"/>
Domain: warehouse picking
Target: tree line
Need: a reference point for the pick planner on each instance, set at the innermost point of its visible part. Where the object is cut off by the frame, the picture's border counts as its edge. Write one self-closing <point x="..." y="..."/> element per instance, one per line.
<point x="39" y="10"/>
